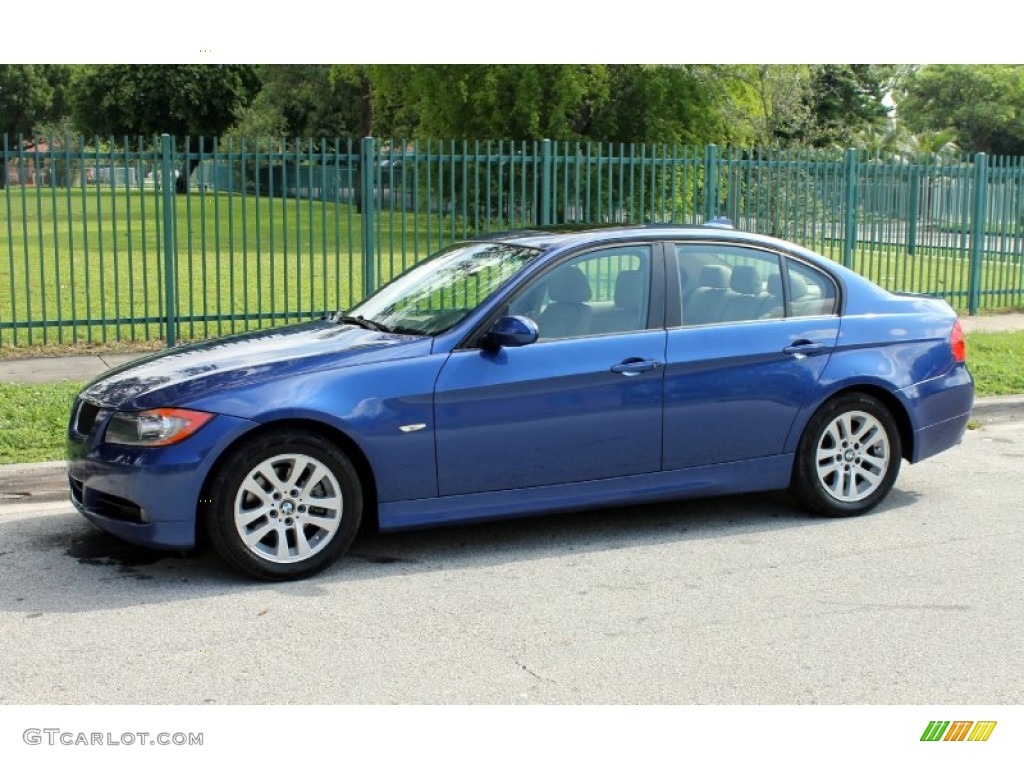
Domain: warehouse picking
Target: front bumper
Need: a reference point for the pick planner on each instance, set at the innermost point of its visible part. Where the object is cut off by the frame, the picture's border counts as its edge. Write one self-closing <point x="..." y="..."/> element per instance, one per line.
<point x="146" y="496"/>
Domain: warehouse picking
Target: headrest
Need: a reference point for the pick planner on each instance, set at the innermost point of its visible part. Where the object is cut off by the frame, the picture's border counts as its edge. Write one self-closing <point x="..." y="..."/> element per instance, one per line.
<point x="629" y="289"/>
<point x="797" y="286"/>
<point x="714" y="276"/>
<point x="745" y="279"/>
<point x="569" y="284"/>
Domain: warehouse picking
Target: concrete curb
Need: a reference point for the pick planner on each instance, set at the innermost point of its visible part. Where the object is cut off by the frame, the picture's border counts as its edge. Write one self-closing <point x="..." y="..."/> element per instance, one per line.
<point x="44" y="481"/>
<point x="47" y="481"/>
<point x="1000" y="408"/>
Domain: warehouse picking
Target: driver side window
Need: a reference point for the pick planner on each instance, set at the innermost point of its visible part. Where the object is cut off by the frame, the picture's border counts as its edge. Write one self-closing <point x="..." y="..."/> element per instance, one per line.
<point x="597" y="293"/>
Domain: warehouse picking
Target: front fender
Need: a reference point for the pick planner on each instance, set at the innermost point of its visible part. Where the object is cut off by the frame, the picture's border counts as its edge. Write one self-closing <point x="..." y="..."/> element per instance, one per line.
<point x="386" y="409"/>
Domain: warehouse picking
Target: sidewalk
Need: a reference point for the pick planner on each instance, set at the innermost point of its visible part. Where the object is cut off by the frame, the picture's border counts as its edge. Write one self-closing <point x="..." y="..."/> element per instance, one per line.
<point x="1011" y="321"/>
<point x="39" y="370"/>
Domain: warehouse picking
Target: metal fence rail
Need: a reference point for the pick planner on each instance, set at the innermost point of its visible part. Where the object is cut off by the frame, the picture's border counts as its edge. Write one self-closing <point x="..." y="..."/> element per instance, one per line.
<point x="151" y="239"/>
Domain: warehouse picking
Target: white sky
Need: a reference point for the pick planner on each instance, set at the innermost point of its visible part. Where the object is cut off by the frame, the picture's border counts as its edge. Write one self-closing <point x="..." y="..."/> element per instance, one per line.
<point x="515" y="31"/>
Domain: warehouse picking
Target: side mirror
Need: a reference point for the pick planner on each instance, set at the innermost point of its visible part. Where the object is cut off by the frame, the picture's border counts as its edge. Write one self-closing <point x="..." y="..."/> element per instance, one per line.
<point x="512" y="331"/>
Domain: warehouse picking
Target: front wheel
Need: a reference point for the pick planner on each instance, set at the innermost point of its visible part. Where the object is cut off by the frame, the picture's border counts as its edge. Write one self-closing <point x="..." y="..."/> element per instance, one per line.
<point x="284" y="506"/>
<point x="848" y="458"/>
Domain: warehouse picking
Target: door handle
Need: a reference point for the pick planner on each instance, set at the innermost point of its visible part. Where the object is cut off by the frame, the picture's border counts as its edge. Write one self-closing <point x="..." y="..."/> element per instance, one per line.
<point x="803" y="348"/>
<point x="634" y="366"/>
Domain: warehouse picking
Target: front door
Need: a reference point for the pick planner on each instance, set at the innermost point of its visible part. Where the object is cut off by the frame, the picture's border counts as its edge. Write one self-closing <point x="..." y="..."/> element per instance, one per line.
<point x="582" y="403"/>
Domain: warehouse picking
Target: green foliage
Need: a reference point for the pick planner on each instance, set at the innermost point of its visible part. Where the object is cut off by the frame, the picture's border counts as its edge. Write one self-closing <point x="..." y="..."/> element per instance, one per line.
<point x="300" y="100"/>
<point x="843" y="99"/>
<point x="762" y="103"/>
<point x="931" y="147"/>
<point x="31" y="94"/>
<point x="983" y="104"/>
<point x="597" y="102"/>
<point x="799" y="104"/>
<point x="493" y="101"/>
<point x="131" y="99"/>
<point x="980" y="107"/>
<point x="822" y="105"/>
<point x="658" y="104"/>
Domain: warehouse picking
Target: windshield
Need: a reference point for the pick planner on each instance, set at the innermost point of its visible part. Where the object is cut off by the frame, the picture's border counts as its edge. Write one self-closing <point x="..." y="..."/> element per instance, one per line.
<point x="434" y="296"/>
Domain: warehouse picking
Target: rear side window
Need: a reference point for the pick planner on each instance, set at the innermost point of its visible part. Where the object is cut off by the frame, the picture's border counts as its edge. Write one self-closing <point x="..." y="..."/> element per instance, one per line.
<point x="728" y="284"/>
<point x="811" y="292"/>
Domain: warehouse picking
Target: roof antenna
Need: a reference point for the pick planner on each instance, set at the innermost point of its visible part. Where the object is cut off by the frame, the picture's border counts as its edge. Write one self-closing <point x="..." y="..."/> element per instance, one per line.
<point x="720" y="222"/>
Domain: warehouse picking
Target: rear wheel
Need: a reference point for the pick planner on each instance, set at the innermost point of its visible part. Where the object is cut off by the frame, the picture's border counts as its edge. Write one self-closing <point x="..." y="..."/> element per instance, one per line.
<point x="848" y="457"/>
<point x="284" y="506"/>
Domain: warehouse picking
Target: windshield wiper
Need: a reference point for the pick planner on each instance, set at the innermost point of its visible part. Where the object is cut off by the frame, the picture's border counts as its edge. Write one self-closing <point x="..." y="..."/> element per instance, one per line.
<point x="407" y="331"/>
<point x="362" y="322"/>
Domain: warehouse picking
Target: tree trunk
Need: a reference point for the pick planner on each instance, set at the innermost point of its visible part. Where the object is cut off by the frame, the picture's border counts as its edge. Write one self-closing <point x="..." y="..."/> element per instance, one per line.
<point x="181" y="183"/>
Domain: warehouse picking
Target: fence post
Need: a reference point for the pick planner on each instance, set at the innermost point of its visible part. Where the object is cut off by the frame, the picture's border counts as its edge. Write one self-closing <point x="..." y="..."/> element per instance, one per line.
<point x="850" y="214"/>
<point x="710" y="182"/>
<point x="912" y="207"/>
<point x="978" y="227"/>
<point x="545" y="182"/>
<point x="167" y="191"/>
<point x="368" y="165"/>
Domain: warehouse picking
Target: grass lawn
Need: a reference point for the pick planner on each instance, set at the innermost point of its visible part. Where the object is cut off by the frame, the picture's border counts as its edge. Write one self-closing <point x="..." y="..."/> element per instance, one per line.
<point x="33" y="417"/>
<point x="997" y="362"/>
<point x="89" y="262"/>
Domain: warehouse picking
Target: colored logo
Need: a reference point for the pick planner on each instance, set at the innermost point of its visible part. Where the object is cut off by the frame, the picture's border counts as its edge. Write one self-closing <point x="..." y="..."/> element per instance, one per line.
<point x="958" y="730"/>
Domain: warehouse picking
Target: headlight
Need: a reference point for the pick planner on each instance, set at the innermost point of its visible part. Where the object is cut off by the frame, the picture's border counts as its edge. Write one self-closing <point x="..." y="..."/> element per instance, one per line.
<point x="160" y="426"/>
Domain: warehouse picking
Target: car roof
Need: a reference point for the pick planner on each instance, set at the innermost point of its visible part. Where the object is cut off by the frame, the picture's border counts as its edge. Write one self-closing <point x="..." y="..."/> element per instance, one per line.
<point x="562" y="235"/>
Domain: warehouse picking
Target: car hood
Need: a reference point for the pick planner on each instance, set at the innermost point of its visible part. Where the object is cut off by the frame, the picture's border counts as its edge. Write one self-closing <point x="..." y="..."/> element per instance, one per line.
<point x="179" y="375"/>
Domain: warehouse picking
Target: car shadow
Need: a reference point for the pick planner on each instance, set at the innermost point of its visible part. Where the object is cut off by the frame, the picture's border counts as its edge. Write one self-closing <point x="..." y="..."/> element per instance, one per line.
<point x="64" y="564"/>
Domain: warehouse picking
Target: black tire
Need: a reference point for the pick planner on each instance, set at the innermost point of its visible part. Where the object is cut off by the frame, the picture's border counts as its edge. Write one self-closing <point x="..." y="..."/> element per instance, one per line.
<point x="848" y="457"/>
<point x="296" y="495"/>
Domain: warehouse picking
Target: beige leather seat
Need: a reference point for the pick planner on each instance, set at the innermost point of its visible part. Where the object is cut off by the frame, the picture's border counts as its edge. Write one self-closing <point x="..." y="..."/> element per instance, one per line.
<point x="627" y="314"/>
<point x="567" y="315"/>
<point x="708" y="301"/>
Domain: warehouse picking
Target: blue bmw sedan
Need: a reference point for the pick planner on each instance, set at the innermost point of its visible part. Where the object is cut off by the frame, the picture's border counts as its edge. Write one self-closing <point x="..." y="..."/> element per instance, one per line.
<point x="522" y="373"/>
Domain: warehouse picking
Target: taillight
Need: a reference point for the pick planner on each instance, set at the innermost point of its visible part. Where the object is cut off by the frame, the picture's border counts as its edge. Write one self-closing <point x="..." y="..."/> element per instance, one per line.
<point x="956" y="341"/>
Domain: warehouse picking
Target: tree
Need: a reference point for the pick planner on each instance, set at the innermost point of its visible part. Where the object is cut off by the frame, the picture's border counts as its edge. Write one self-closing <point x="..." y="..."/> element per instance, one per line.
<point x="30" y="94"/>
<point x="660" y="104"/>
<point x="762" y="103"/>
<point x="844" y="99"/>
<point x="301" y="100"/>
<point x="799" y="104"/>
<point x="182" y="100"/>
<point x="492" y="101"/>
<point x="622" y="103"/>
<point x="983" y="104"/>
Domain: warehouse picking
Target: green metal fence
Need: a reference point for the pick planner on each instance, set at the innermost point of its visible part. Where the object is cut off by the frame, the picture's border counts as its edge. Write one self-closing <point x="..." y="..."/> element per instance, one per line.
<point x="155" y="240"/>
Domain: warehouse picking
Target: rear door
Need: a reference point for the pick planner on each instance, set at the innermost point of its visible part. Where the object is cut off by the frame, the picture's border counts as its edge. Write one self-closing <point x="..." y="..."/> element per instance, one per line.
<point x="750" y="333"/>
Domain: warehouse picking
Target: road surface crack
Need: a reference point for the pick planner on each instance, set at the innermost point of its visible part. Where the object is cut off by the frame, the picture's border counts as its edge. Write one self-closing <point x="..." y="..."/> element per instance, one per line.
<point x="533" y="674"/>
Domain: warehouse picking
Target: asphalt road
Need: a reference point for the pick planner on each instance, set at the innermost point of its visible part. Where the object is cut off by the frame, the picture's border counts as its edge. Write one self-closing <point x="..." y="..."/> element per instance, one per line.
<point x="738" y="600"/>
